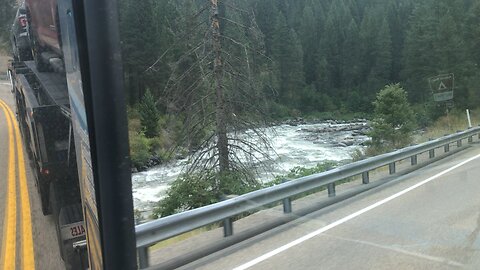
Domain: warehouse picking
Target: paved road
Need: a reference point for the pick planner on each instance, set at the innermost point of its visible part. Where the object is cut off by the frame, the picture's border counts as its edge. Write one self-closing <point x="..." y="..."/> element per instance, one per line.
<point x="16" y="248"/>
<point x="428" y="219"/>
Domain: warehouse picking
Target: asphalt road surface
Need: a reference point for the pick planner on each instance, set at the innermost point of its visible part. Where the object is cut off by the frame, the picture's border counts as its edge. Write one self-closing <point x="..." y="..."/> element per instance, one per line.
<point x="428" y="219"/>
<point x="28" y="239"/>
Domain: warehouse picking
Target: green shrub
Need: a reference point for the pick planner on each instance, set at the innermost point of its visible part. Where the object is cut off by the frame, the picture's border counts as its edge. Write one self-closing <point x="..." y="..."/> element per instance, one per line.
<point x="200" y="189"/>
<point x="197" y="190"/>
<point x="139" y="149"/>
<point x="394" y="119"/>
<point x="358" y="155"/>
<point x="298" y="172"/>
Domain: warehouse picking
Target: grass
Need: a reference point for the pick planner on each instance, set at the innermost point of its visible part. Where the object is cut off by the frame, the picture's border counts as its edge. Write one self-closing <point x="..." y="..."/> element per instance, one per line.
<point x="179" y="238"/>
<point x="455" y="121"/>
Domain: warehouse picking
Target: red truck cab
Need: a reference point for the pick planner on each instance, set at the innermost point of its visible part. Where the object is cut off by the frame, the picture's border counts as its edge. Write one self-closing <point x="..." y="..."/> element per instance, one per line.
<point x="44" y="30"/>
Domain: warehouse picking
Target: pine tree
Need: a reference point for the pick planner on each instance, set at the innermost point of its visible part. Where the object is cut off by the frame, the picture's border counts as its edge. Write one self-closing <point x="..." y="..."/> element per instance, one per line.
<point x="149" y="115"/>
<point x="394" y="119"/>
<point x="472" y="31"/>
<point x="381" y="69"/>
<point x="351" y="57"/>
<point x="216" y="84"/>
<point x="419" y="53"/>
<point x="138" y="50"/>
<point x="288" y="54"/>
<point x="7" y="14"/>
<point x="309" y="36"/>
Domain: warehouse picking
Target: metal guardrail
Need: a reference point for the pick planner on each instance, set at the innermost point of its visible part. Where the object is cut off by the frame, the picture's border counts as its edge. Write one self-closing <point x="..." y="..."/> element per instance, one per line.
<point x="153" y="232"/>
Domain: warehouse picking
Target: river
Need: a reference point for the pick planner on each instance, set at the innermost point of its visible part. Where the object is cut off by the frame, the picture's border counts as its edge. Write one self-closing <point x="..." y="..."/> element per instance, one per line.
<point x="292" y="145"/>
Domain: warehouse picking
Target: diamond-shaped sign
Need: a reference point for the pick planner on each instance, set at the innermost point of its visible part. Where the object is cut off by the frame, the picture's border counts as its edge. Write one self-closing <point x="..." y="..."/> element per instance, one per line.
<point x="442" y="87"/>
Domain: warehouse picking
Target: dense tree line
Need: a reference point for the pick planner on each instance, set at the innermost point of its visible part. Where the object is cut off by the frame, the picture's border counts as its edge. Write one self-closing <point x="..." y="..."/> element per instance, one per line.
<point x="323" y="55"/>
<point x="7" y="13"/>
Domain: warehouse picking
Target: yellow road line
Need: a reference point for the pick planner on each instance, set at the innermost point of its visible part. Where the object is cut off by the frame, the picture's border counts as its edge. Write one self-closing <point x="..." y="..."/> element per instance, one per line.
<point x="28" y="255"/>
<point x="10" y="236"/>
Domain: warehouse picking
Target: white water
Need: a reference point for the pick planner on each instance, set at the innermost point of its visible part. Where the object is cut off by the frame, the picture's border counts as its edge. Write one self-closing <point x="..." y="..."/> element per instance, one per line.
<point x="293" y="146"/>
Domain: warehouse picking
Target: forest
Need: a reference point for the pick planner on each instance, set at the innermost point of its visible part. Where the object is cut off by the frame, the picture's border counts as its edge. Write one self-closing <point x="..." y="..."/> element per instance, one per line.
<point x="276" y="59"/>
<point x="7" y="13"/>
<point x="317" y="55"/>
<point x="308" y="55"/>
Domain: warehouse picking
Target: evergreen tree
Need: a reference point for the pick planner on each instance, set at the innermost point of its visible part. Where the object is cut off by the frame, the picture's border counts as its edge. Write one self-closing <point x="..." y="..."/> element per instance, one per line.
<point x="288" y="54"/>
<point x="266" y="17"/>
<point x="351" y="57"/>
<point x="419" y="52"/>
<point x="7" y="14"/>
<point x="394" y="119"/>
<point x="309" y="36"/>
<point x="341" y="51"/>
<point x="472" y="32"/>
<point x="381" y="69"/>
<point x="149" y="115"/>
<point x="138" y="49"/>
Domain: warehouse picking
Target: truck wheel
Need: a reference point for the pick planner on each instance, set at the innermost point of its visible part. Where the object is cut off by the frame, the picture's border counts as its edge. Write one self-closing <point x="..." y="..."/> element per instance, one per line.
<point x="37" y="55"/>
<point x="35" y="47"/>
<point x="54" y="209"/>
<point x="43" y="190"/>
<point x="24" y="55"/>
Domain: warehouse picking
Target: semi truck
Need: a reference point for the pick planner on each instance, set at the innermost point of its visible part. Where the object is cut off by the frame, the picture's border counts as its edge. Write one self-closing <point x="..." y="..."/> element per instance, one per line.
<point x="71" y="110"/>
<point x="43" y="112"/>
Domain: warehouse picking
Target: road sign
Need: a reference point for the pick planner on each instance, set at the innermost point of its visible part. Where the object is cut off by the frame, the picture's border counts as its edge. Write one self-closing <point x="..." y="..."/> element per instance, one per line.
<point x="442" y="87"/>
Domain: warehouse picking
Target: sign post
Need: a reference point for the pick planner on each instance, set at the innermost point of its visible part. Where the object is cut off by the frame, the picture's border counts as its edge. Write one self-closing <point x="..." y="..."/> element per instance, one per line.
<point x="469" y="119"/>
<point x="442" y="87"/>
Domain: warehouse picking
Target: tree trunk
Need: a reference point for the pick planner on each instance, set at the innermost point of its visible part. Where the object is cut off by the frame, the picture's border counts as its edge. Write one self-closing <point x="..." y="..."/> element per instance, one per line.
<point x="221" y="123"/>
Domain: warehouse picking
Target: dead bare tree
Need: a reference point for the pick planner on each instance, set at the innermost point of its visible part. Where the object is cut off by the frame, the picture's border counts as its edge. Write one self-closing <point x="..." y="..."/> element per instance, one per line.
<point x="217" y="86"/>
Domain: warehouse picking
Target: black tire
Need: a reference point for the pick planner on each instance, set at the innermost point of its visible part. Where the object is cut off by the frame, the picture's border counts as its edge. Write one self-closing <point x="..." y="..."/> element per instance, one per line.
<point x="43" y="190"/>
<point x="37" y="57"/>
<point x="45" y="199"/>
<point x="55" y="210"/>
<point x="36" y="49"/>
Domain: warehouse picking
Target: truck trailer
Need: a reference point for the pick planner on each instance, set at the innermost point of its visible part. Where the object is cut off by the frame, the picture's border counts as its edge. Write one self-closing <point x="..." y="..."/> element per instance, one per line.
<point x="43" y="112"/>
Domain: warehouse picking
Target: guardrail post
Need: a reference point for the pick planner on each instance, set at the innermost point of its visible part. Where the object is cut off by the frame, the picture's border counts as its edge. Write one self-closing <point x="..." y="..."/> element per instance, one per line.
<point x="227" y="227"/>
<point x="431" y="153"/>
<point x="447" y="148"/>
<point x="391" y="168"/>
<point x="459" y="143"/>
<point x="365" y="178"/>
<point x="331" y="190"/>
<point x="287" y="205"/>
<point x="470" y="139"/>
<point x="414" y="160"/>
<point x="143" y="257"/>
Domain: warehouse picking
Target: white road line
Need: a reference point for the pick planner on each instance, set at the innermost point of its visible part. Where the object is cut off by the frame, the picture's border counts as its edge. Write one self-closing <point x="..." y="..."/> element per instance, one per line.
<point x="347" y="218"/>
